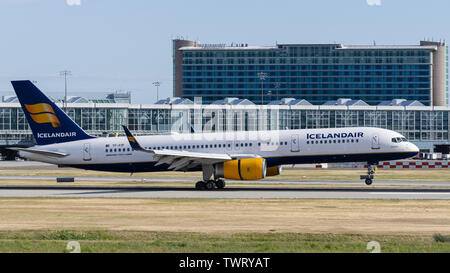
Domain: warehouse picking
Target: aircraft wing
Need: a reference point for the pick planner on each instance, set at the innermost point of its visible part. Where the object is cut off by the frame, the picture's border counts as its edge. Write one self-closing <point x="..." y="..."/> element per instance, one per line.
<point x="178" y="160"/>
<point x="41" y="152"/>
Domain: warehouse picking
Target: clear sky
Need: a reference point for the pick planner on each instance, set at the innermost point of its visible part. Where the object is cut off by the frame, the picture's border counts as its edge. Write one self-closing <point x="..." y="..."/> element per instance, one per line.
<point x="126" y="44"/>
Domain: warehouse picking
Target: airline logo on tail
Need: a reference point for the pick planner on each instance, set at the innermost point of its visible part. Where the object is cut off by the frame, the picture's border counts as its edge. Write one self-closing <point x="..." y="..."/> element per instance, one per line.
<point x="130" y="138"/>
<point x="43" y="113"/>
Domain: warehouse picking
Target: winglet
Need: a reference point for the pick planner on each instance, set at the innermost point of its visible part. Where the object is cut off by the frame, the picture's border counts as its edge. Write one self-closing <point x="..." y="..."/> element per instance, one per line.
<point x="132" y="140"/>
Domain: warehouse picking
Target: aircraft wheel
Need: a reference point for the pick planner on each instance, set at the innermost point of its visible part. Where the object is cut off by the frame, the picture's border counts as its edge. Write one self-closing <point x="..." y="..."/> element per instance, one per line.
<point x="210" y="185"/>
<point x="369" y="181"/>
<point x="220" y="184"/>
<point x="200" y="185"/>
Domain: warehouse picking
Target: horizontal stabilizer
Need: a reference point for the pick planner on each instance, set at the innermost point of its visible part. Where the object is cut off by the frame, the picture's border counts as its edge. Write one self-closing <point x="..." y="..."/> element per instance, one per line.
<point x="40" y="152"/>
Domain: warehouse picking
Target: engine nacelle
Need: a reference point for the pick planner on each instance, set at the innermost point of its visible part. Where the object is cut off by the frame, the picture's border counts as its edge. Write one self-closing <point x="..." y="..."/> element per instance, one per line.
<point x="272" y="171"/>
<point x="241" y="169"/>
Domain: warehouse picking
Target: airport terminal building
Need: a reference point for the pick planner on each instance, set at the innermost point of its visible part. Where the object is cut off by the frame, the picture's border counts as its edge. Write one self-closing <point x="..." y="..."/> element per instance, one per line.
<point x="425" y="126"/>
<point x="314" y="72"/>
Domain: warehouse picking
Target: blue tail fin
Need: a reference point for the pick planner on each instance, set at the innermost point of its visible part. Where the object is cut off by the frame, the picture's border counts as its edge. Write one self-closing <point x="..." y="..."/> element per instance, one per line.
<point x="47" y="121"/>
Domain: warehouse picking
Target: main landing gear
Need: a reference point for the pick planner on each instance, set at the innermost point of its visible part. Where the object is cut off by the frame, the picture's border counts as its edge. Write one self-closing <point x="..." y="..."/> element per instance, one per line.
<point x="210" y="184"/>
<point x="371" y="170"/>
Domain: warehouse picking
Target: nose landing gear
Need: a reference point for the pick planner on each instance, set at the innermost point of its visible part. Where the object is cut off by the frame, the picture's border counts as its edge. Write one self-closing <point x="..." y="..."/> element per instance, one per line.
<point x="371" y="170"/>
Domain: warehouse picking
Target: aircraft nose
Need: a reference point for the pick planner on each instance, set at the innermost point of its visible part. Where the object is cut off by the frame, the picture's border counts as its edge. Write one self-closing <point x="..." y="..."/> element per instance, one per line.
<point x="413" y="148"/>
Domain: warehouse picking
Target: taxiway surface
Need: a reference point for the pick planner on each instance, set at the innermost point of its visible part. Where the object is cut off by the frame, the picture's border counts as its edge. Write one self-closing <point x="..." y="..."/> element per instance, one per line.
<point x="230" y="192"/>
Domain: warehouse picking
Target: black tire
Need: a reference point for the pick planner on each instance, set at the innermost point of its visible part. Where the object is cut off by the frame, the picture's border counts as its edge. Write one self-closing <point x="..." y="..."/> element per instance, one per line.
<point x="200" y="185"/>
<point x="369" y="181"/>
<point x="220" y="184"/>
<point x="210" y="185"/>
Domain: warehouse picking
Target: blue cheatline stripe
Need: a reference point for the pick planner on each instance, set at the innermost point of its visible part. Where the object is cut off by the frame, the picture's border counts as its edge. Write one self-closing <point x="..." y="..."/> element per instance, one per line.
<point x="372" y="158"/>
<point x="271" y="161"/>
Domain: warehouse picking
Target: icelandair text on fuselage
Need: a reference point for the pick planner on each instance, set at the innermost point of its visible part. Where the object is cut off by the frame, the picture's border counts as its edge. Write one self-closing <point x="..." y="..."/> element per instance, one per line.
<point x="52" y="135"/>
<point x="334" y="135"/>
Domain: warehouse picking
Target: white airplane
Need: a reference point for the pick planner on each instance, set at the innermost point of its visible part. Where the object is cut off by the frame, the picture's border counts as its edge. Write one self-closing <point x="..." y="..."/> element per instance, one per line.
<point x="245" y="155"/>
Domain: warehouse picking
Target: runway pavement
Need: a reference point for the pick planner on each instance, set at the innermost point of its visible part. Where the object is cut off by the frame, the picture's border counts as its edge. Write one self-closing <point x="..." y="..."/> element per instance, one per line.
<point x="261" y="182"/>
<point x="230" y="192"/>
<point x="268" y="188"/>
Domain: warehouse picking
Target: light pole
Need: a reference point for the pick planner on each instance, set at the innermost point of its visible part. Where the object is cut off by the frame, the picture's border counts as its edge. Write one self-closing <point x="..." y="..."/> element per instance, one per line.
<point x="157" y="84"/>
<point x="262" y="76"/>
<point x="65" y="73"/>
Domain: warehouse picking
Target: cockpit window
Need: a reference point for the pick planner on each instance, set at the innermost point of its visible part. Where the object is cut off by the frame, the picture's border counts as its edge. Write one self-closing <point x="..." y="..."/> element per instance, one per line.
<point x="399" y="139"/>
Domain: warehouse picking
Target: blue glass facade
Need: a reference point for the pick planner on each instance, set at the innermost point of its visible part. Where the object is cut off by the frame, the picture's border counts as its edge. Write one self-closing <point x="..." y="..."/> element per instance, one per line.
<point x="317" y="73"/>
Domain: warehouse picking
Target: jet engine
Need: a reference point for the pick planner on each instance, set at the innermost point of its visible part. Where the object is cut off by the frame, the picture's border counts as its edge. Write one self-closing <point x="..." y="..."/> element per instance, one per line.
<point x="272" y="171"/>
<point x="241" y="169"/>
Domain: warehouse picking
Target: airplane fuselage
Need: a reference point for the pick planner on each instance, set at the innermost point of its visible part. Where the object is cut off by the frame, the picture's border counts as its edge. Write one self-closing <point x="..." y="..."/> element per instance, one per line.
<point x="278" y="147"/>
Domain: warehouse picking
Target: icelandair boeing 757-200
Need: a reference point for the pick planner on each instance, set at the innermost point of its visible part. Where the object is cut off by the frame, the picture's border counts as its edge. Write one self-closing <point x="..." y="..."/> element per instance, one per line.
<point x="243" y="155"/>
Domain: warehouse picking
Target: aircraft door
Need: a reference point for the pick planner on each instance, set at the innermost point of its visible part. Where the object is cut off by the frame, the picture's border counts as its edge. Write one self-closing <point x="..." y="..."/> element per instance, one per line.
<point x="295" y="143"/>
<point x="375" y="142"/>
<point x="87" y="152"/>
